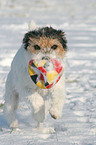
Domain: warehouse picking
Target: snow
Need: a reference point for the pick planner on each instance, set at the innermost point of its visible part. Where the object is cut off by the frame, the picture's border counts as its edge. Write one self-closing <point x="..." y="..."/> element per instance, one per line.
<point x="78" y="19"/>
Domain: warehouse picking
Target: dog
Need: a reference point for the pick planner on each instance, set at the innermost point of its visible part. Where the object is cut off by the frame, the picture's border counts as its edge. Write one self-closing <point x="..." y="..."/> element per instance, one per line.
<point x="41" y="43"/>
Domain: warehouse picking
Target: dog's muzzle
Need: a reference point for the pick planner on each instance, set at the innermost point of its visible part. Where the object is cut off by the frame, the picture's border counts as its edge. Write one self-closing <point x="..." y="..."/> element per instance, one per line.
<point x="45" y="58"/>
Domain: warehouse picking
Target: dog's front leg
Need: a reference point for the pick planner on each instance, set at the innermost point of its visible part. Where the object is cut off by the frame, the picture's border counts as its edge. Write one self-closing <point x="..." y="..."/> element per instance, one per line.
<point x="38" y="107"/>
<point x="57" y="103"/>
<point x="58" y="99"/>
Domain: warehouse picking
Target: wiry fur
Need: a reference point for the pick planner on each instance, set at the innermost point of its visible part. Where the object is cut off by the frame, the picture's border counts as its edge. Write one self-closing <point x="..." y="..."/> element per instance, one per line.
<point x="48" y="32"/>
<point x="20" y="86"/>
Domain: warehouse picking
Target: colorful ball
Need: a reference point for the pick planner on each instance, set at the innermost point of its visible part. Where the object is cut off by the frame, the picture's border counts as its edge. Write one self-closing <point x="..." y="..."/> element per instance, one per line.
<point x="45" y="73"/>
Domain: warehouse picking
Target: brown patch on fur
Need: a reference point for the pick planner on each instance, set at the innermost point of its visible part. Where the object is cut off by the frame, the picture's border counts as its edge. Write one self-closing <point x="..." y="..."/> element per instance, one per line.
<point x="46" y="43"/>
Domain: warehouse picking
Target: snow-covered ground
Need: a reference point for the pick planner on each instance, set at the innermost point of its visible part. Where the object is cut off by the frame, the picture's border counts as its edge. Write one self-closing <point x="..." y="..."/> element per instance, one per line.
<point x="78" y="19"/>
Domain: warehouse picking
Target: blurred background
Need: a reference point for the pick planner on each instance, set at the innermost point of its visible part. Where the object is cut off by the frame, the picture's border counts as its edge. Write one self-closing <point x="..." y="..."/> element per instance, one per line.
<point x="77" y="18"/>
<point x="49" y="12"/>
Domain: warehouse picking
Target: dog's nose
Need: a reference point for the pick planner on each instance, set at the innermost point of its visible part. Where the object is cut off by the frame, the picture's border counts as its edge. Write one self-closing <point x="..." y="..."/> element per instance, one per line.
<point x="45" y="57"/>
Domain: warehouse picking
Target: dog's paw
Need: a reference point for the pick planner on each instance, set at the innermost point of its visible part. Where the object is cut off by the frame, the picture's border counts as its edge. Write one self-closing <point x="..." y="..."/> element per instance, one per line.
<point x="14" y="124"/>
<point x="45" y="130"/>
<point x="55" y="114"/>
<point x="48" y="130"/>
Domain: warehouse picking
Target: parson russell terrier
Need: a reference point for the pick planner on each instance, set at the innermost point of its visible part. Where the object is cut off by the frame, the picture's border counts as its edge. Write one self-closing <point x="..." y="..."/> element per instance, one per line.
<point x="42" y="43"/>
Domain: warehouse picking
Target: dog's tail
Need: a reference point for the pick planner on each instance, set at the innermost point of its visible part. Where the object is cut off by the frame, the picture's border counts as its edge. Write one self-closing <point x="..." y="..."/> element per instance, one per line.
<point x="32" y="25"/>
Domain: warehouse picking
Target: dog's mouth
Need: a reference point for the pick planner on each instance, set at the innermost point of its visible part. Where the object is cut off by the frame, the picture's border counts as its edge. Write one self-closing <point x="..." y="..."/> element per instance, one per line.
<point x="45" y="73"/>
<point x="45" y="58"/>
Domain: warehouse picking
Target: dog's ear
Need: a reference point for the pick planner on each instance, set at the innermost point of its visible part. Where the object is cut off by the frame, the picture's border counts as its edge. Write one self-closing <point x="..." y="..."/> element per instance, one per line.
<point x="26" y="40"/>
<point x="28" y="37"/>
<point x="62" y="39"/>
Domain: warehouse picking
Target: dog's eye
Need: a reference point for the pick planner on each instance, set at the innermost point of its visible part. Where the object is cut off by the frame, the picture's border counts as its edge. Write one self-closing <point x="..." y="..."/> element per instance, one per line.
<point x="37" y="47"/>
<point x="54" y="47"/>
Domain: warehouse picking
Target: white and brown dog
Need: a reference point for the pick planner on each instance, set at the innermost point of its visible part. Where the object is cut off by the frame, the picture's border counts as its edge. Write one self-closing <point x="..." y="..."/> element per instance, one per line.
<point x="43" y="43"/>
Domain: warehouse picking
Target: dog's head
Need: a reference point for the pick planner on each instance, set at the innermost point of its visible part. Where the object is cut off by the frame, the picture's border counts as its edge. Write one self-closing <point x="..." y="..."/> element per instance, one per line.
<point x="46" y="43"/>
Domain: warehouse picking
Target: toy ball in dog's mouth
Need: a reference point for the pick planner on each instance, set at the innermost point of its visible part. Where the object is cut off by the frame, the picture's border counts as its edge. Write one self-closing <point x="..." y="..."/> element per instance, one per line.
<point x="45" y="73"/>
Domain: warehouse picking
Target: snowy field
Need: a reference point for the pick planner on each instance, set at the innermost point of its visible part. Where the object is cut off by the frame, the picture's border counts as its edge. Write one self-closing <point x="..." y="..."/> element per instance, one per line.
<point x="78" y="19"/>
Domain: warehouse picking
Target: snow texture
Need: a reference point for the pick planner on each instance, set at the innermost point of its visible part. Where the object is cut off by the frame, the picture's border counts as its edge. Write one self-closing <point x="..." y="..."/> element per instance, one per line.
<point x="78" y="19"/>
